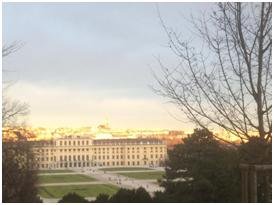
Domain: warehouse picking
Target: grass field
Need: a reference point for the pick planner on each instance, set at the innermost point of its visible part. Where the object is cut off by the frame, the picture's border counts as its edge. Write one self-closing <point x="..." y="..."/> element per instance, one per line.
<point x="144" y="175"/>
<point x="84" y="190"/>
<point x="64" y="178"/>
<point x="125" y="169"/>
<point x="54" y="171"/>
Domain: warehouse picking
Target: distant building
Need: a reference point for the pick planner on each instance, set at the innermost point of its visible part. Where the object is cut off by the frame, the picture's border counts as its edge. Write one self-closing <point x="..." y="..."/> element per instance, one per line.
<point x="83" y="152"/>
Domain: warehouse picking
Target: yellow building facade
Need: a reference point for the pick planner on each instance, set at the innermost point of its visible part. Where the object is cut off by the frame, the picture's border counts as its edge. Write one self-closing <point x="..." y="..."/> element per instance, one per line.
<point x="84" y="152"/>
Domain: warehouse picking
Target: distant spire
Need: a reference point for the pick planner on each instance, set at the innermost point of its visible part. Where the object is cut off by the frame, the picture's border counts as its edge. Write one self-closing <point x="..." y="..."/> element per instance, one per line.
<point x="104" y="125"/>
<point x="106" y="122"/>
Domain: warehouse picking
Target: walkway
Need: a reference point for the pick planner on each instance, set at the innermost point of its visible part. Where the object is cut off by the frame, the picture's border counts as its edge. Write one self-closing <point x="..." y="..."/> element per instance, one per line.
<point x="64" y="173"/>
<point x="123" y="181"/>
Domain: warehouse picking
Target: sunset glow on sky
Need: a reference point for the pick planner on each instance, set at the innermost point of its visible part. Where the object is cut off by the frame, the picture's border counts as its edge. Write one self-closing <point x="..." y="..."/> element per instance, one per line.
<point x="84" y="62"/>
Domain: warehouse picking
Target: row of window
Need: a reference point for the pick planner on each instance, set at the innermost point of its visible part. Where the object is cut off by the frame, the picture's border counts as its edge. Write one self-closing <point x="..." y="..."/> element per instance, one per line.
<point x="45" y="150"/>
<point x="74" y="157"/>
<point x="74" y="150"/>
<point x="73" y="143"/>
<point x="126" y="152"/>
<point x="103" y="150"/>
<point x="87" y="164"/>
<point x="86" y="157"/>
<point x="128" y="156"/>
<point x="65" y="165"/>
<point x="127" y="143"/>
<point x="46" y="159"/>
<point x="117" y="163"/>
<point x="65" y="150"/>
<point x="132" y="149"/>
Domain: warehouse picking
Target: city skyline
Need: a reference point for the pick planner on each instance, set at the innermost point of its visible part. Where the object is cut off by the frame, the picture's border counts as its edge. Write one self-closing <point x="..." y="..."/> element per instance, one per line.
<point x="95" y="62"/>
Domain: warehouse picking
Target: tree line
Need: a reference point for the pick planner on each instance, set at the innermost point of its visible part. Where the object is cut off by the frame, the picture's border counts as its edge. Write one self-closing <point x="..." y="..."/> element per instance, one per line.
<point x="200" y="169"/>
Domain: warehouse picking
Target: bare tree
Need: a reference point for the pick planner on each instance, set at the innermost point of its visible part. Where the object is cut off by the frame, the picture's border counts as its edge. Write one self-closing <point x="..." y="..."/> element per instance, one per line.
<point x="11" y="109"/>
<point x="226" y="82"/>
<point x="19" y="178"/>
<point x="11" y="48"/>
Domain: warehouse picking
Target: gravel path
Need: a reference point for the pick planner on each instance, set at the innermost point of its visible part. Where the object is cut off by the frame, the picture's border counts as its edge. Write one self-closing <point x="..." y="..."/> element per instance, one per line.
<point x="65" y="173"/>
<point x="123" y="181"/>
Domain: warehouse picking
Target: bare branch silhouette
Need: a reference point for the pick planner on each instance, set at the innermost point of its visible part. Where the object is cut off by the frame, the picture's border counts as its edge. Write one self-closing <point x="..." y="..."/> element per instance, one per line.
<point x="11" y="109"/>
<point x="227" y="85"/>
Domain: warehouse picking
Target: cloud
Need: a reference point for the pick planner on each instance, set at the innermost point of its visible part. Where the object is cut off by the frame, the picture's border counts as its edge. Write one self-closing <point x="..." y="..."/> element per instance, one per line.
<point x="59" y="106"/>
<point x="84" y="62"/>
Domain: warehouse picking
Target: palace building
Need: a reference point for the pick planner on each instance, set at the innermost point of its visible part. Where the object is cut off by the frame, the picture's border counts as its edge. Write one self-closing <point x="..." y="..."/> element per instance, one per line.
<point x="84" y="152"/>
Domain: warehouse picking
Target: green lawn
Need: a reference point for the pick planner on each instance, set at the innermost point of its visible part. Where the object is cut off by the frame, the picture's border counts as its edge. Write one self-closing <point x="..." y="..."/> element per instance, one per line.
<point x="124" y="169"/>
<point x="54" y="171"/>
<point x="144" y="175"/>
<point x="64" y="178"/>
<point x="84" y="190"/>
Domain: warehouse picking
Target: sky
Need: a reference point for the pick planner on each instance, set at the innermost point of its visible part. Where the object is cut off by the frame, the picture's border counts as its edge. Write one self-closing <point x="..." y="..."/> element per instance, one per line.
<point x="83" y="63"/>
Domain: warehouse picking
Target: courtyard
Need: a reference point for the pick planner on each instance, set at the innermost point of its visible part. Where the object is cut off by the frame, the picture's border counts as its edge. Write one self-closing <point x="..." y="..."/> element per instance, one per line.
<point x="89" y="183"/>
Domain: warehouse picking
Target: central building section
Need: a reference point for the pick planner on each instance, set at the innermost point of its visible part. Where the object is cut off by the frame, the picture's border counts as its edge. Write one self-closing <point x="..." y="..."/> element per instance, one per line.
<point x="128" y="152"/>
<point x="83" y="152"/>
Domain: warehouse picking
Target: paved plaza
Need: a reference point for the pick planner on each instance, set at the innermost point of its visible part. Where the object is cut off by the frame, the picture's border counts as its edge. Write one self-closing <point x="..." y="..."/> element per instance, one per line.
<point x="108" y="177"/>
<point x="125" y="182"/>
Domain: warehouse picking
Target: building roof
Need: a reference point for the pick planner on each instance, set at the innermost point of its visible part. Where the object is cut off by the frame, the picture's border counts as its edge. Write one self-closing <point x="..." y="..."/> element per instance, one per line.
<point x="42" y="143"/>
<point x="126" y="141"/>
<point x="73" y="137"/>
